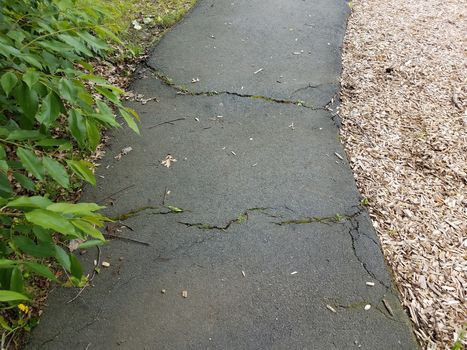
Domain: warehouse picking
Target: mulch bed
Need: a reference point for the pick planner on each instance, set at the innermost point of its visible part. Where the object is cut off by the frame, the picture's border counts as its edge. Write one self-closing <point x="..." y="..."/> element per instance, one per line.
<point x="404" y="98"/>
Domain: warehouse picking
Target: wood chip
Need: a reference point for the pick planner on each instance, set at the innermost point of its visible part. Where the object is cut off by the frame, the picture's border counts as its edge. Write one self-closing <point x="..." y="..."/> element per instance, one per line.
<point x="184" y="293"/>
<point x="388" y="307"/>
<point x="105" y="264"/>
<point x="367" y="307"/>
<point x="339" y="156"/>
<point x="371" y="284"/>
<point x="331" y="308"/>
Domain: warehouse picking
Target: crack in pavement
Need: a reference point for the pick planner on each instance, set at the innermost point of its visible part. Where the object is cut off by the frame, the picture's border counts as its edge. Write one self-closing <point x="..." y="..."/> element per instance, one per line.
<point x="243" y="217"/>
<point x="354" y="230"/>
<point x="310" y="86"/>
<point x="360" y="306"/>
<point x="57" y="335"/>
<point x="134" y="212"/>
<point x="181" y="90"/>
<point x="336" y="218"/>
<point x="354" y="233"/>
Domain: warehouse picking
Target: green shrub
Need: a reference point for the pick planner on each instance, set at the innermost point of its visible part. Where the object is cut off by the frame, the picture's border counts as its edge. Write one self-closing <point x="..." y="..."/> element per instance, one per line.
<point x="52" y="110"/>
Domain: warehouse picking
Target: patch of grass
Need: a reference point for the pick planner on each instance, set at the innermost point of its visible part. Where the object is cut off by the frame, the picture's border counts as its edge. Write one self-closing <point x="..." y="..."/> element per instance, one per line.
<point x="139" y="23"/>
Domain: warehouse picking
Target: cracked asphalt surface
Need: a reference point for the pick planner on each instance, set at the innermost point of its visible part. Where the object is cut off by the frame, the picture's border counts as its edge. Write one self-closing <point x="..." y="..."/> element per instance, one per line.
<point x="272" y="246"/>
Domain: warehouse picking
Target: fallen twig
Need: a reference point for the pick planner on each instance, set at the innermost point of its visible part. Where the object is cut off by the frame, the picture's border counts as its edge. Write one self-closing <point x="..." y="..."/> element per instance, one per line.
<point x="126" y="239"/>
<point x="167" y="122"/>
<point x="113" y="194"/>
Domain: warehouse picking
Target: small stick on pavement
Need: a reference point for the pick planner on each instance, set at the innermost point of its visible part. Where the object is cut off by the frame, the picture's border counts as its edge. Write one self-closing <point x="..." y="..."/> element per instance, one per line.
<point x="171" y="122"/>
<point x="125" y="239"/>
<point x="388" y="307"/>
<point x="113" y="194"/>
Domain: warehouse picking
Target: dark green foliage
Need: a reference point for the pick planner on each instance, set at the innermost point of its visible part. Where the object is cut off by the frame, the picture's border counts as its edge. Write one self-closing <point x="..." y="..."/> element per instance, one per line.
<point x="52" y="110"/>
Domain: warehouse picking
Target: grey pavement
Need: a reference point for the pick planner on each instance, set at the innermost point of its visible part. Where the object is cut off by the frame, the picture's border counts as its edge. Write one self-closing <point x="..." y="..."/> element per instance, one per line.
<point x="272" y="248"/>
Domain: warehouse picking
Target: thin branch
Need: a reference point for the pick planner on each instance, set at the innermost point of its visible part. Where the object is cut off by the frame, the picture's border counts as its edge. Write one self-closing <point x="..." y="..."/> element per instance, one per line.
<point x="132" y="240"/>
<point x="117" y="192"/>
<point x="167" y="122"/>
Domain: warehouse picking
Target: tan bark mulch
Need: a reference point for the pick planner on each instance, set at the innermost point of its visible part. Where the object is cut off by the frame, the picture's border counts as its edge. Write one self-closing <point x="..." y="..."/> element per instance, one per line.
<point x="404" y="98"/>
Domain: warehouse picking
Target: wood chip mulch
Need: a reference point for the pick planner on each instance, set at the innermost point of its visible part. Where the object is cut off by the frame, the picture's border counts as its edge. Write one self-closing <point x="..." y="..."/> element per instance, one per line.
<point x="404" y="98"/>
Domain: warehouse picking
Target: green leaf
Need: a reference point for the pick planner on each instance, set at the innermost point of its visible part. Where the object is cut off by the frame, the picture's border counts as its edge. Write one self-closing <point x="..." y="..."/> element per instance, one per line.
<point x="76" y="44"/>
<point x="56" y="171"/>
<point x="94" y="135"/>
<point x="4" y="166"/>
<point x="112" y="88"/>
<point x="8" y="82"/>
<point x="2" y="152"/>
<point x="105" y="114"/>
<point x="32" y="60"/>
<point x="30" y="202"/>
<point x="5" y="184"/>
<point x="61" y="143"/>
<point x="39" y="269"/>
<point x="27" y="245"/>
<point x="6" y="263"/>
<point x="30" y="162"/>
<point x="4" y="324"/>
<point x="16" y="280"/>
<point x="50" y="110"/>
<point x="83" y="170"/>
<point x="132" y="112"/>
<point x="77" y="127"/>
<point x="87" y="228"/>
<point x="16" y="35"/>
<point x="174" y="209"/>
<point x="51" y="220"/>
<point x="129" y="120"/>
<point x="8" y="295"/>
<point x="29" y="102"/>
<point x="111" y="96"/>
<point x="42" y="234"/>
<point x="31" y="77"/>
<point x="107" y="33"/>
<point x="64" y="5"/>
<point x="62" y="257"/>
<point x="93" y="78"/>
<point x="20" y="134"/>
<point x="67" y="89"/>
<point x="87" y="66"/>
<point x="70" y="208"/>
<point x="96" y="44"/>
<point x="24" y="181"/>
<point x="7" y="50"/>
<point x="75" y="268"/>
<point x="91" y="243"/>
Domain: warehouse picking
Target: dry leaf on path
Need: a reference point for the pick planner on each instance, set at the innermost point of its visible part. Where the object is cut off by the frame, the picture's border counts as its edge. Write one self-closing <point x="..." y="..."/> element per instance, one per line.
<point x="169" y="159"/>
<point x="123" y="152"/>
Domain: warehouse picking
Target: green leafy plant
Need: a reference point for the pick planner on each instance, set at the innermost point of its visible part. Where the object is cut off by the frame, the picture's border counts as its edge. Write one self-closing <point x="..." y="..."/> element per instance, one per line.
<point x="52" y="111"/>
